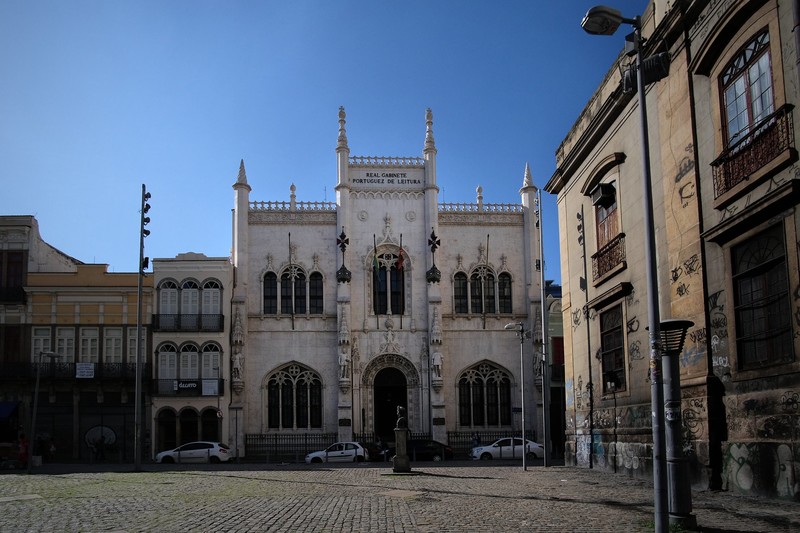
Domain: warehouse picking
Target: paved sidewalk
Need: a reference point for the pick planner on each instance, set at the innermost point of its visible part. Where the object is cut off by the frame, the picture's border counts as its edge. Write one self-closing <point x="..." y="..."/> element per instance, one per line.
<point x="446" y="497"/>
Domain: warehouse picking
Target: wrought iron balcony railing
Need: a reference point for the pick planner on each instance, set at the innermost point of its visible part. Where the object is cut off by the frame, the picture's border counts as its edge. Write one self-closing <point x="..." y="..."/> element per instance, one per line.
<point x="763" y="144"/>
<point x="188" y="387"/>
<point x="194" y="322"/>
<point x="72" y="371"/>
<point x="608" y="257"/>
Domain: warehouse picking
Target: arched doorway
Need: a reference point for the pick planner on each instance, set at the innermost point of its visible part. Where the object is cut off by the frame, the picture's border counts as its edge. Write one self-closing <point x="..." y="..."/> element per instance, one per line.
<point x="390" y="391"/>
<point x="167" y="437"/>
<point x="189" y="426"/>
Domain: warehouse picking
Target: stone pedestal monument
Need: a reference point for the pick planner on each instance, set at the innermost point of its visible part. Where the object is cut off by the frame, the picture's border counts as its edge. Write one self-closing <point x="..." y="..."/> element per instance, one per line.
<point x="401" y="462"/>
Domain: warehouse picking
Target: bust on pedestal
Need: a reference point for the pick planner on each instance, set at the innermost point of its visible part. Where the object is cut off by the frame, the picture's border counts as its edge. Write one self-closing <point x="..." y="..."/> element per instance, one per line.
<point x="401" y="462"/>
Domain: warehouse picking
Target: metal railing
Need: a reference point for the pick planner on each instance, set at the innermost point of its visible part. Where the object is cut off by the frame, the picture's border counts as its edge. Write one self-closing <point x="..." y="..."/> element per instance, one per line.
<point x="765" y="141"/>
<point x="58" y="370"/>
<point x="190" y="322"/>
<point x="285" y="447"/>
<point x="608" y="257"/>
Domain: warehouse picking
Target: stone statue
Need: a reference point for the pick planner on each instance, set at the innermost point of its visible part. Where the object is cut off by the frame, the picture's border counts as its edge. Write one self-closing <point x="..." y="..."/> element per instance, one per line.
<point x="436" y="363"/>
<point x="402" y="423"/>
<point x="344" y="365"/>
<point x="237" y="370"/>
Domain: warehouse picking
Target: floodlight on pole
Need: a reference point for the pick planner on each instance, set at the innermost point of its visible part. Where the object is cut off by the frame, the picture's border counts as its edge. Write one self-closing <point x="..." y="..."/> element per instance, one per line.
<point x="602" y="20"/>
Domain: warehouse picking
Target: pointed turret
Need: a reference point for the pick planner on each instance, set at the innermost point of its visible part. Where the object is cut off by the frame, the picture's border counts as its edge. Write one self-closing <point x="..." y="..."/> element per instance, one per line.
<point x="342" y="143"/>
<point x="241" y="179"/>
<point x="430" y="145"/>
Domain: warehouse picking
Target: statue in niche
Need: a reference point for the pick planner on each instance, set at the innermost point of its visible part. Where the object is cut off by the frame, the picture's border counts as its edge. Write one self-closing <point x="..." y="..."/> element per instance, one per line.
<point x="436" y="364"/>
<point x="237" y="371"/>
<point x="344" y="364"/>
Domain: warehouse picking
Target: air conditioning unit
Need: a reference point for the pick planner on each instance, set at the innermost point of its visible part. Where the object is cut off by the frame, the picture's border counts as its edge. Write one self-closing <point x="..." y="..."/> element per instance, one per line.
<point x="604" y="195"/>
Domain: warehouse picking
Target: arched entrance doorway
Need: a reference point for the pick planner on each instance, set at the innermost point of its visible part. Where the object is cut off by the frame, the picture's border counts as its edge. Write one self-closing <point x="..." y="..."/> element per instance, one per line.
<point x="390" y="391"/>
<point x="166" y="436"/>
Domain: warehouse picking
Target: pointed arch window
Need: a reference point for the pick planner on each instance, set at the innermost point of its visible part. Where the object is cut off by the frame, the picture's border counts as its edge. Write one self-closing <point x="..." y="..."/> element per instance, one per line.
<point x="315" y="293"/>
<point x="478" y="294"/>
<point x="460" y="292"/>
<point x="294" y="398"/>
<point x="504" y="292"/>
<point x="388" y="284"/>
<point x="294" y="293"/>
<point x="484" y="397"/>
<point x="270" y="293"/>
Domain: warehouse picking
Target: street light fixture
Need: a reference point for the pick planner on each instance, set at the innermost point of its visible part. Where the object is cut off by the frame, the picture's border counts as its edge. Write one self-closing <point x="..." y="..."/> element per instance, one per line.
<point x="519" y="327"/>
<point x="32" y="437"/>
<point x="673" y="336"/>
<point x="602" y="20"/>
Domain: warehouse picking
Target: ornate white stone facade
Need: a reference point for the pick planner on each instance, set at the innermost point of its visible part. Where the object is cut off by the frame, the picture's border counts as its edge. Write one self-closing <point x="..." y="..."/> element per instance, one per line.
<point x="406" y="335"/>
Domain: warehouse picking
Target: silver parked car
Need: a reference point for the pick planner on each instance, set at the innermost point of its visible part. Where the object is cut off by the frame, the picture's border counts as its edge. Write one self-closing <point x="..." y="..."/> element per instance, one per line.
<point x="506" y="449"/>
<point x="196" y="452"/>
<point x="340" y="452"/>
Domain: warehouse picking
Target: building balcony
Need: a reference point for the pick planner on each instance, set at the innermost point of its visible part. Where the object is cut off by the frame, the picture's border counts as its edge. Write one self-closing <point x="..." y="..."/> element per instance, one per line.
<point x="609" y="259"/>
<point x="71" y="371"/>
<point x="193" y="322"/>
<point x="188" y="387"/>
<point x="767" y="147"/>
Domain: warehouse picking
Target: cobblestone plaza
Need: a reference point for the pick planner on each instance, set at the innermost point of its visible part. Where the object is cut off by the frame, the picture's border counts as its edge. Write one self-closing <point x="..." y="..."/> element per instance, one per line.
<point x="455" y="496"/>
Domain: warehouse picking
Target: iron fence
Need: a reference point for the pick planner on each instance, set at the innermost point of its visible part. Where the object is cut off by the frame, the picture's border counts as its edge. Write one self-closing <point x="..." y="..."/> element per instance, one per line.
<point x="285" y="447"/>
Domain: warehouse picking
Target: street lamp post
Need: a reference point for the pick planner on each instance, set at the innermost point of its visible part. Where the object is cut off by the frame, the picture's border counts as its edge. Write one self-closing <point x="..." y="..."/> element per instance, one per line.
<point x="32" y="432"/>
<point x="673" y="336"/>
<point x="602" y="20"/>
<point x="519" y="327"/>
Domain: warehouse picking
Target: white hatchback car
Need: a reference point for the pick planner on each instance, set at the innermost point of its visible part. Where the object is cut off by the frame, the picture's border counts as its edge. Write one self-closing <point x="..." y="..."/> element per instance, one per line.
<point x="505" y="449"/>
<point x="196" y="452"/>
<point x="343" y="452"/>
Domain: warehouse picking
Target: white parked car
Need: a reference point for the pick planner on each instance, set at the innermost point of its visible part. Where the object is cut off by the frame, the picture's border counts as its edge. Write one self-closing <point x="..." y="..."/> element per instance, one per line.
<point x="350" y="452"/>
<point x="196" y="452"/>
<point x="506" y="449"/>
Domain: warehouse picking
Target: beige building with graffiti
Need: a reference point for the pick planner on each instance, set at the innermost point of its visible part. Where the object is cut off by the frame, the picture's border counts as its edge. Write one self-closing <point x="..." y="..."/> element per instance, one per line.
<point x="384" y="298"/>
<point x="724" y="169"/>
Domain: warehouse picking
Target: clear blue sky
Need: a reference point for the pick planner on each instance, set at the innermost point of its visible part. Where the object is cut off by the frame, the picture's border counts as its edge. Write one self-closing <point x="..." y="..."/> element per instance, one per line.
<point x="98" y="97"/>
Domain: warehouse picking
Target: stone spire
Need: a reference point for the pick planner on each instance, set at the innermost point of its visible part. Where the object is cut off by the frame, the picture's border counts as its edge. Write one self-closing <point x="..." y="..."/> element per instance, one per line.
<point x="342" y="144"/>
<point x="430" y="145"/>
<point x="528" y="181"/>
<point x="241" y="179"/>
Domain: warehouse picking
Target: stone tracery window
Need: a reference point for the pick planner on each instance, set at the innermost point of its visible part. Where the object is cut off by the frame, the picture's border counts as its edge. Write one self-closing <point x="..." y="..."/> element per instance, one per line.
<point x="388" y="284"/>
<point x="484" y="397"/>
<point x="482" y="292"/>
<point x="293" y="293"/>
<point x="294" y="398"/>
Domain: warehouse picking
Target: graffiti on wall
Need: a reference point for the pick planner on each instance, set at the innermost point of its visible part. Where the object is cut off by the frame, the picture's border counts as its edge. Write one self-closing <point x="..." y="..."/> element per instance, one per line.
<point x="681" y="275"/>
<point x="762" y="468"/>
<point x="718" y="322"/>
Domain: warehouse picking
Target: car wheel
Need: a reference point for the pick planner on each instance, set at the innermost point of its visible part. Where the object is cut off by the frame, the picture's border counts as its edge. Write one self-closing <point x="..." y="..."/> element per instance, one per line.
<point x="213" y="459"/>
<point x="360" y="458"/>
<point x="437" y="457"/>
<point x="316" y="460"/>
<point x="167" y="460"/>
<point x="486" y="456"/>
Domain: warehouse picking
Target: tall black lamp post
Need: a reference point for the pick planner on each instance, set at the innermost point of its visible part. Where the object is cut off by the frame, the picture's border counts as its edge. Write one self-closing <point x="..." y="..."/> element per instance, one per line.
<point x="673" y="336"/>
<point x="602" y="20"/>
<point x="32" y="435"/>
<point x="519" y="327"/>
